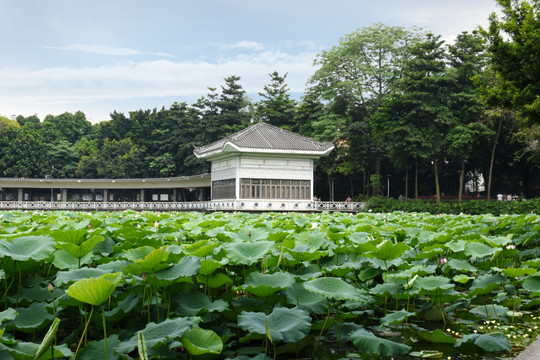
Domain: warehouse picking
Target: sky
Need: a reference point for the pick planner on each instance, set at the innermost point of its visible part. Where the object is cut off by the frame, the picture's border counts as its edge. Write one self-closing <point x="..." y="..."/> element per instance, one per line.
<point x="101" y="56"/>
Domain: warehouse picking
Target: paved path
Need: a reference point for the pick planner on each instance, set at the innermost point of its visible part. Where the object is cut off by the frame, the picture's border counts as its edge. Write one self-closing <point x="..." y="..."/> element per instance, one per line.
<point x="530" y="353"/>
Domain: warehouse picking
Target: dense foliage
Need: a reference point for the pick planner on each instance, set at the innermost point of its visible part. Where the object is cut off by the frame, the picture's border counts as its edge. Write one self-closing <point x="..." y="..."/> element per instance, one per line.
<point x="247" y="286"/>
<point x="399" y="104"/>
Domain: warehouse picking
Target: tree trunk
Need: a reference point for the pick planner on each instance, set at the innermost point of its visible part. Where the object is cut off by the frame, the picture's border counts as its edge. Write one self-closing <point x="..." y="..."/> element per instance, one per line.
<point x="406" y="182"/>
<point x="437" y="185"/>
<point x="493" y="159"/>
<point x="461" y="178"/>
<point x="416" y="179"/>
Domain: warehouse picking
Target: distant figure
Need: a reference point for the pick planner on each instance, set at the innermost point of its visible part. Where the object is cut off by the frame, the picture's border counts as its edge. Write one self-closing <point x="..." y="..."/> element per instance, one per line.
<point x="348" y="199"/>
<point x="509" y="197"/>
<point x="500" y="197"/>
<point x="401" y="198"/>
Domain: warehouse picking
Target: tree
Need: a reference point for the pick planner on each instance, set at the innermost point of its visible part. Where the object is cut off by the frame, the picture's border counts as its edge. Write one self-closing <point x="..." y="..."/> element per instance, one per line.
<point x="362" y="71"/>
<point x="276" y="106"/>
<point x="22" y="154"/>
<point x="6" y="124"/>
<point x="467" y="61"/>
<point x="31" y="122"/>
<point x="418" y="116"/>
<point x="514" y="49"/>
<point x="66" y="126"/>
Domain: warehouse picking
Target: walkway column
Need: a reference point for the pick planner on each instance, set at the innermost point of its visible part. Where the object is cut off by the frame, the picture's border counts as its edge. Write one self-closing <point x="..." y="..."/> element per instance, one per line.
<point x="64" y="195"/>
<point x="174" y="195"/>
<point x="142" y="195"/>
<point x="19" y="194"/>
<point x="105" y="195"/>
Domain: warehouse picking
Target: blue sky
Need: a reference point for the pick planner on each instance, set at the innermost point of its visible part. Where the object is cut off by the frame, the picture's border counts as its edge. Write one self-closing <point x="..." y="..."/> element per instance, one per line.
<point x="100" y="56"/>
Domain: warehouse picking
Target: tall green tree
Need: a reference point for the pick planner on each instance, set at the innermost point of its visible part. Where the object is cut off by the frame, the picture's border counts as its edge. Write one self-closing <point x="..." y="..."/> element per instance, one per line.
<point x="276" y="106"/>
<point x="66" y="126"/>
<point x="467" y="61"/>
<point x="514" y="48"/>
<point x="22" y="154"/>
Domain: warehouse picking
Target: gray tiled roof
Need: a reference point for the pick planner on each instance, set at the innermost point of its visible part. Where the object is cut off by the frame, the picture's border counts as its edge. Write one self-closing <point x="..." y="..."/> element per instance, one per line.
<point x="266" y="138"/>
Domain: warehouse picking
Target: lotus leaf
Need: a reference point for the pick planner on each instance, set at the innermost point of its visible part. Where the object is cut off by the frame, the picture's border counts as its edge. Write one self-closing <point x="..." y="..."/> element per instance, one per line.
<point x="371" y="344"/>
<point x="157" y="334"/>
<point x="198" y="341"/>
<point x="151" y="263"/>
<point x="27" y="350"/>
<point x="334" y="288"/>
<point x="489" y="343"/>
<point x="80" y="250"/>
<point x="8" y="314"/>
<point x="532" y="284"/>
<point x="247" y="253"/>
<point x="214" y="281"/>
<point x="396" y="317"/>
<point x="30" y="319"/>
<point x="94" y="291"/>
<point x="65" y="277"/>
<point x="289" y="325"/>
<point x="96" y="349"/>
<point x="386" y="250"/>
<point x="485" y="284"/>
<point x="23" y="248"/>
<point x="431" y="284"/>
<point x="461" y="265"/>
<point x="64" y="260"/>
<point x="518" y="272"/>
<point x="201" y="248"/>
<point x="462" y="279"/>
<point x="478" y="250"/>
<point x="264" y="285"/>
<point x="187" y="266"/>
<point x="307" y="300"/>
<point x="436" y="336"/>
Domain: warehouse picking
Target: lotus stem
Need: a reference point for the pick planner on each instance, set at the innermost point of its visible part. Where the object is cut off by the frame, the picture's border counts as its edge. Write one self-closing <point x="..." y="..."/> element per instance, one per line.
<point x="84" y="333"/>
<point x="104" y="331"/>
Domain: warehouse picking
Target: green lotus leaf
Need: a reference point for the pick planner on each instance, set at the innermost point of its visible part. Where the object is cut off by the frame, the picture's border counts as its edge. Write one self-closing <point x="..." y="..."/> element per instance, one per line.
<point x="462" y="279"/>
<point x="490" y="311"/>
<point x="8" y="314"/>
<point x="307" y="300"/>
<point x="187" y="266"/>
<point x="478" y="250"/>
<point x="197" y="303"/>
<point x="498" y="241"/>
<point x="208" y="266"/>
<point x="96" y="349"/>
<point x="289" y="325"/>
<point x="334" y="288"/>
<point x="214" y="281"/>
<point x="313" y="239"/>
<point x="387" y="250"/>
<point x="384" y="289"/>
<point x="151" y="263"/>
<point x="138" y="253"/>
<point x="395" y="318"/>
<point x="535" y="263"/>
<point x="75" y="237"/>
<point x="27" y="350"/>
<point x="436" y="336"/>
<point x="302" y="253"/>
<point x="94" y="291"/>
<point x="24" y="248"/>
<point x="247" y="253"/>
<point x="371" y="344"/>
<point x="201" y="248"/>
<point x="457" y="246"/>
<point x="518" y="272"/>
<point x="489" y="343"/>
<point x="248" y="234"/>
<point x="485" y="284"/>
<point x="65" y="277"/>
<point x="157" y="335"/>
<point x="431" y="284"/>
<point x="30" y="319"/>
<point x="264" y="285"/>
<point x="532" y="284"/>
<point x="198" y="341"/>
<point x="461" y="265"/>
<point x="82" y="249"/>
<point x="64" y="260"/>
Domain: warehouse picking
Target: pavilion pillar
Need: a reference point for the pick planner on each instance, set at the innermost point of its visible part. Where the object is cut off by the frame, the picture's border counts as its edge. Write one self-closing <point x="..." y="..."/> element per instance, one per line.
<point x="105" y="195"/>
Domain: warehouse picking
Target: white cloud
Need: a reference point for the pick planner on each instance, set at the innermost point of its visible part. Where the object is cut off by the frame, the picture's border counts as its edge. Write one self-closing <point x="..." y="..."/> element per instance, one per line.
<point x="69" y="87"/>
<point x="248" y="45"/>
<point x="106" y="50"/>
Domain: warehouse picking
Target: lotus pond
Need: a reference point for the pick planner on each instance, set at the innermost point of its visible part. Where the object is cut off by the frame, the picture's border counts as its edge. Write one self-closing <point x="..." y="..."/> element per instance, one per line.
<point x="267" y="286"/>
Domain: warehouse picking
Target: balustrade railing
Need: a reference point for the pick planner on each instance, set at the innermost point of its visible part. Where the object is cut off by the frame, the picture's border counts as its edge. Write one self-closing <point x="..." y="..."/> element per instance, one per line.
<point x="232" y="205"/>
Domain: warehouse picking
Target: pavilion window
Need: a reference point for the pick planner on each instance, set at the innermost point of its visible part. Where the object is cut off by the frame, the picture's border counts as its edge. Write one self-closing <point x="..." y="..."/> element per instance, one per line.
<point x="223" y="189"/>
<point x="275" y="189"/>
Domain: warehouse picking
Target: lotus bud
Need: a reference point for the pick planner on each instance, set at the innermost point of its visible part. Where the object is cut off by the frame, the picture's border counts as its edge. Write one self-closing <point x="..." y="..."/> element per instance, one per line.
<point x="510" y="247"/>
<point x="144" y="276"/>
<point x="314" y="225"/>
<point x="89" y="225"/>
<point x="156" y="224"/>
<point x="444" y="261"/>
<point x="138" y="226"/>
<point x="50" y="287"/>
